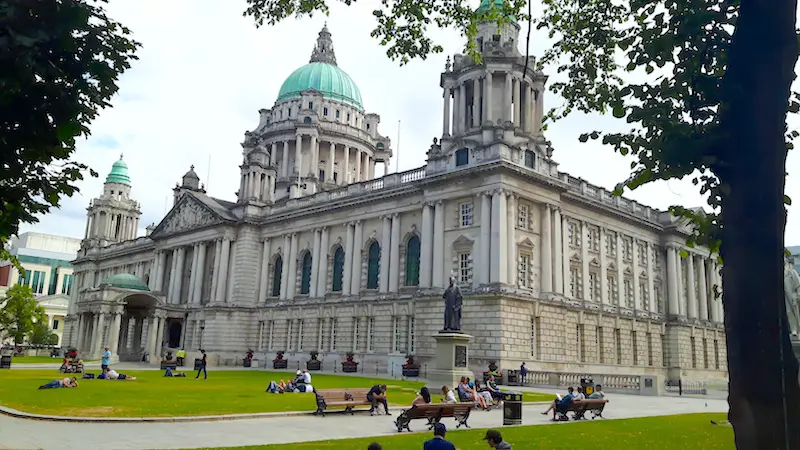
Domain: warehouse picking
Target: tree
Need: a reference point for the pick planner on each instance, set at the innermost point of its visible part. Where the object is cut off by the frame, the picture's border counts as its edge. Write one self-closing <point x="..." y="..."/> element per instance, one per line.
<point x="20" y="313"/>
<point x="41" y="334"/>
<point x="60" y="63"/>
<point x="706" y="85"/>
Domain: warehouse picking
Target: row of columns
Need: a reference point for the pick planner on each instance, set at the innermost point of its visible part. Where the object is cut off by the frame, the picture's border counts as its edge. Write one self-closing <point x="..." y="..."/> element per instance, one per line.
<point x="173" y="275"/>
<point x="694" y="296"/>
<point x="364" y="162"/>
<point x="472" y="99"/>
<point x="257" y="184"/>
<point x="103" y="224"/>
<point x="120" y="334"/>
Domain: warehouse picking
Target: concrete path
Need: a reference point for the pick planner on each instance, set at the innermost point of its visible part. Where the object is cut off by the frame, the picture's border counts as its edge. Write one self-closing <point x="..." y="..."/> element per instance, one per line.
<point x="32" y="434"/>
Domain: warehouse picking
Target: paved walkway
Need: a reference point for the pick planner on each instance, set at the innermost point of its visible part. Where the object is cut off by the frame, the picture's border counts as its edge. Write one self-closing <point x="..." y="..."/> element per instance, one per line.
<point x="31" y="434"/>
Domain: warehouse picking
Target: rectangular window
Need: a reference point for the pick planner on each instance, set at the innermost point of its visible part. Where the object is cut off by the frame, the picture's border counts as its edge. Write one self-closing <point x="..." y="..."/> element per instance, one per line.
<point x="534" y="341"/>
<point x="270" y="335"/>
<point x="524" y="268"/>
<point x="321" y="334"/>
<point x="705" y="354"/>
<point x="335" y="177"/>
<point x="716" y="354"/>
<point x="635" y="345"/>
<point x="575" y="288"/>
<point x="594" y="287"/>
<point x="627" y="249"/>
<point x="371" y="334"/>
<point x="523" y="217"/>
<point x="37" y="285"/>
<point x="348" y="117"/>
<point x="356" y="334"/>
<point x="601" y="347"/>
<point x="53" y="281"/>
<point x="641" y="249"/>
<point x="310" y="105"/>
<point x="649" y="337"/>
<point x="321" y="175"/>
<point x="396" y="333"/>
<point x="462" y="157"/>
<point x="573" y="235"/>
<point x="324" y="111"/>
<point x="337" y="114"/>
<point x="465" y="268"/>
<point x="66" y="284"/>
<point x="581" y="344"/>
<point x="300" y="335"/>
<point x="627" y="286"/>
<point x="694" y="352"/>
<point x="611" y="245"/>
<point x="289" y="327"/>
<point x="55" y="324"/>
<point x="594" y="238"/>
<point x="334" y="323"/>
<point x="611" y="288"/>
<point x="530" y="159"/>
<point x="465" y="214"/>
<point x="644" y="295"/>
<point x="618" y="344"/>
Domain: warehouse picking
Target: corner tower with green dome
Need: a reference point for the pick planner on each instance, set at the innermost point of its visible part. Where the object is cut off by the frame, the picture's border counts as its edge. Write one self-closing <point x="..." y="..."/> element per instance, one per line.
<point x="317" y="136"/>
<point x="113" y="216"/>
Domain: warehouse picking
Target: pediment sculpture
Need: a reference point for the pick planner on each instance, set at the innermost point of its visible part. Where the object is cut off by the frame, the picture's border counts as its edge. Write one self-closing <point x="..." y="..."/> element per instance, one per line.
<point x="187" y="215"/>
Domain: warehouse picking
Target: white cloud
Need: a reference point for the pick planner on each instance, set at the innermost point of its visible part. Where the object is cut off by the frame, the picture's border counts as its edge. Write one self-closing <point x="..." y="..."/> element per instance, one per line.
<point x="205" y="71"/>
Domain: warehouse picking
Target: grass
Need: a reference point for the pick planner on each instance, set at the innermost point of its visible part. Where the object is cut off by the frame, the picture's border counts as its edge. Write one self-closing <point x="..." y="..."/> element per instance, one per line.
<point x="153" y="395"/>
<point x="689" y="431"/>
<point x="41" y="360"/>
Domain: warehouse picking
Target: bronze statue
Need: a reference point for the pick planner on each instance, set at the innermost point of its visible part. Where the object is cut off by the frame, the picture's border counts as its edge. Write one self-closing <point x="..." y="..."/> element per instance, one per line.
<point x="452" y="307"/>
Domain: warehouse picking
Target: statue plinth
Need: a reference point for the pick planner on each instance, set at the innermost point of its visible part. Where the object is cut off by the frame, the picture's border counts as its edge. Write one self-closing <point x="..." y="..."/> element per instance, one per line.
<point x="452" y="359"/>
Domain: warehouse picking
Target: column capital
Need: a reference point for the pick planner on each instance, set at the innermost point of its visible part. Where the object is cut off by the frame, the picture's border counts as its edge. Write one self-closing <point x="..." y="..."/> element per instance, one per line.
<point x="395" y="215"/>
<point x="324" y="228"/>
<point x="357" y="222"/>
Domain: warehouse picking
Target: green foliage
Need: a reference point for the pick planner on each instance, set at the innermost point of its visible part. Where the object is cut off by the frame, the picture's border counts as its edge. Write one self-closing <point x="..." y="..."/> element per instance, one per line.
<point x="61" y="61"/>
<point x="19" y="313"/>
<point x="403" y="25"/>
<point x="659" y="65"/>
<point x="42" y="334"/>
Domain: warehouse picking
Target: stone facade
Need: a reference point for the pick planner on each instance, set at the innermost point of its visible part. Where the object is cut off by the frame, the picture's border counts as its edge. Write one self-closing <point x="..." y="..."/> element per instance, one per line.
<point x="554" y="271"/>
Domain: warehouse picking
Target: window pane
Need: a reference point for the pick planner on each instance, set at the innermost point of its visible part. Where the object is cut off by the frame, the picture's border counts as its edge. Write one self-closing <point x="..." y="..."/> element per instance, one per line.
<point x="412" y="261"/>
<point x="276" y="276"/>
<point x="305" y="280"/>
<point x="373" y="266"/>
<point x="338" y="269"/>
<point x="462" y="157"/>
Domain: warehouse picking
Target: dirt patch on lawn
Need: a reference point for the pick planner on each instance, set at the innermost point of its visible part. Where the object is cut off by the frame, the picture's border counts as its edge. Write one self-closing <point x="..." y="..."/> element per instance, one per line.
<point x="96" y="411"/>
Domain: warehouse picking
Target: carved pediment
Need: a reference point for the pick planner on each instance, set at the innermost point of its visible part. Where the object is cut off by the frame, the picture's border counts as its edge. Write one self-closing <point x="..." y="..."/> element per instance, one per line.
<point x="463" y="242"/>
<point x="189" y="214"/>
<point x="575" y="258"/>
<point x="594" y="263"/>
<point x="526" y="243"/>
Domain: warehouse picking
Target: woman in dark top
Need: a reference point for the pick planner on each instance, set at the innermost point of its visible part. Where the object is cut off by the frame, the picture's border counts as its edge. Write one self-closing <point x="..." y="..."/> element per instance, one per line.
<point x="423" y="398"/>
<point x="202" y="367"/>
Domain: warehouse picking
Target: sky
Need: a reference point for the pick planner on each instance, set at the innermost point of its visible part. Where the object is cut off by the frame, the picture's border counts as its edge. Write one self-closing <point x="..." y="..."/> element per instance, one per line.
<point x="204" y="71"/>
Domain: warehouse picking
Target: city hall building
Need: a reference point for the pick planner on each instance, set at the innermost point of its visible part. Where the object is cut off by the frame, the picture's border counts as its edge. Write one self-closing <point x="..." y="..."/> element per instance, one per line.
<point x="317" y="254"/>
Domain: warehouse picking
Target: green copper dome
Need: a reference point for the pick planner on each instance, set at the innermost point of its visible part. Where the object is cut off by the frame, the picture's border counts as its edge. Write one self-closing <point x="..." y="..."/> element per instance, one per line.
<point x="486" y="6"/>
<point x="331" y="81"/>
<point x="119" y="173"/>
<point x="126" y="281"/>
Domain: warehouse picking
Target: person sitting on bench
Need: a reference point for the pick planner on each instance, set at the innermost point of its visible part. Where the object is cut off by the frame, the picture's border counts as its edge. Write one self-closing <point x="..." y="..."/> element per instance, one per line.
<point x="423" y="398"/>
<point x="483" y="393"/>
<point x="491" y="387"/>
<point x="448" y="395"/>
<point x="562" y="402"/>
<point x="377" y="395"/>
<point x="598" y="393"/>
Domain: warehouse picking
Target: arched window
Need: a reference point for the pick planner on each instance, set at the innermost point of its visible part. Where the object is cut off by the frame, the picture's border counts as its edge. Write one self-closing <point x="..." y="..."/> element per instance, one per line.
<point x="373" y="265"/>
<point x="412" y="262"/>
<point x="305" y="280"/>
<point x="307" y="120"/>
<point x="338" y="269"/>
<point x="277" y="271"/>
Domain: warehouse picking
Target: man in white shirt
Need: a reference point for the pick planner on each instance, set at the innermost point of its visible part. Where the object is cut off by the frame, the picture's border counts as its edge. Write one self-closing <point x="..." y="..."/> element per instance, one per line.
<point x="306" y="377"/>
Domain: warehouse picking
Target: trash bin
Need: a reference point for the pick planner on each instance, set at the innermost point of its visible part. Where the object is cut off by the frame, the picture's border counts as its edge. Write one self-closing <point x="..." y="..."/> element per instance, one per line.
<point x="198" y="363"/>
<point x="5" y="362"/>
<point x="512" y="408"/>
<point x="587" y="384"/>
<point x="512" y="378"/>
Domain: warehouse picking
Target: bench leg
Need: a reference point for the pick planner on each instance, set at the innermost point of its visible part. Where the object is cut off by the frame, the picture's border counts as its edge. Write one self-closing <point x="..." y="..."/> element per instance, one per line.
<point x="462" y="421"/>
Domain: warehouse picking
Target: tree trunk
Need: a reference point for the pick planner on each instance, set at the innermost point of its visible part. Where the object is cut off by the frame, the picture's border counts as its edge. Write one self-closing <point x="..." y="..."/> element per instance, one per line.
<point x="764" y="391"/>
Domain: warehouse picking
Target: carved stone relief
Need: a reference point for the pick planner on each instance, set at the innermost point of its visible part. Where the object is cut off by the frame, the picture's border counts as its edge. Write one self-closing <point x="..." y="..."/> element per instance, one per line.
<point x="187" y="216"/>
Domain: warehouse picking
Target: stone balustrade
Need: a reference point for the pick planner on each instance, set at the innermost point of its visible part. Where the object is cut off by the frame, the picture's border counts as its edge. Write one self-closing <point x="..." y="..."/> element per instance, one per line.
<point x="622" y="384"/>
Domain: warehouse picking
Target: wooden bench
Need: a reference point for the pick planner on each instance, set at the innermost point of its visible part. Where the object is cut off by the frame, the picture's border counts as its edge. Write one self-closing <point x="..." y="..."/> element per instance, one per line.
<point x="434" y="412"/>
<point x="579" y="409"/>
<point x="349" y="398"/>
<point x="489" y="406"/>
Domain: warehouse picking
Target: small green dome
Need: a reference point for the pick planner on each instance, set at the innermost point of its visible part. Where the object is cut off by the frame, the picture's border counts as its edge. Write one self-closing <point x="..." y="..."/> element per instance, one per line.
<point x="486" y="6"/>
<point x="119" y="173"/>
<point x="330" y="80"/>
<point x="126" y="281"/>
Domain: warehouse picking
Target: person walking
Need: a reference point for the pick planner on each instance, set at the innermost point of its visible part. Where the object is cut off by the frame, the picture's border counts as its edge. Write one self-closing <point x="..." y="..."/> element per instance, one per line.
<point x="105" y="361"/>
<point x="439" y="442"/>
<point x="202" y="367"/>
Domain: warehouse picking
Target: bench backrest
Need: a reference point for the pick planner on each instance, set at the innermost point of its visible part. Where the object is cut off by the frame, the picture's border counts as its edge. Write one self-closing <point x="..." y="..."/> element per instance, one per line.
<point x="438" y="410"/>
<point x="358" y="394"/>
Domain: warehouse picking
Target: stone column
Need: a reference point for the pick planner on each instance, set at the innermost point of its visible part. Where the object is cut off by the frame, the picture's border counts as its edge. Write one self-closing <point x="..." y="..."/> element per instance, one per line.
<point x="162" y="268"/>
<point x="456" y="112"/>
<point x="222" y="282"/>
<point x="81" y="331"/>
<point x="720" y="303"/>
<point x="448" y="93"/>
<point x="537" y="127"/>
<point x="273" y="154"/>
<point x="97" y="333"/>
<point x="507" y="98"/>
<point x="160" y="335"/>
<point x="603" y="267"/>
<point x="358" y="244"/>
<point x="476" y="102"/>
<point x="331" y="160"/>
<point x="426" y="247"/>
<point x="517" y="88"/>
<point x="349" y="251"/>
<point x="529" y="108"/>
<point x="172" y="269"/>
<point x="215" y="277"/>
<point x="499" y="256"/>
<point x="584" y="240"/>
<point x="345" y="179"/>
<point x="322" y="264"/>
<point x="263" y="281"/>
<point x="462" y="107"/>
<point x="487" y="103"/>
<point x="558" y="248"/>
<point x="511" y="237"/>
<point x="313" y="159"/>
<point x="394" y="255"/>
<point x="682" y="306"/>
<point x="484" y="258"/>
<point x="702" y="287"/>
<point x="358" y="166"/>
<point x="285" y="160"/>
<point x="385" y="246"/>
<point x="287" y="254"/>
<point x="130" y="336"/>
<point x="620" y="272"/>
<point x="690" y="292"/>
<point x="113" y="333"/>
<point x="292" y="275"/>
<point x="153" y="271"/>
<point x="635" y="280"/>
<point x="192" y="275"/>
<point x="298" y="156"/>
<point x="365" y="166"/>
<point x="565" y="252"/>
<point x="151" y="339"/>
<point x="651" y="274"/>
<point x="179" y="274"/>
<point x="672" y="281"/>
<point x="312" y="291"/>
<point x="438" y="244"/>
<point x="546" y="246"/>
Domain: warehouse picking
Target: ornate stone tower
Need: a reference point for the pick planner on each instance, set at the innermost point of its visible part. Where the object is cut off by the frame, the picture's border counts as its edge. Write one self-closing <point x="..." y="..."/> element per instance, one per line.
<point x="258" y="175"/>
<point x="114" y="216"/>
<point x="493" y="108"/>
<point x="190" y="182"/>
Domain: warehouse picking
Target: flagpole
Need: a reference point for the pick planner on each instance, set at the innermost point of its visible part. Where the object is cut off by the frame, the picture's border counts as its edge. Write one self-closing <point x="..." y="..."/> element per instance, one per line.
<point x="208" y="177"/>
<point x="397" y="161"/>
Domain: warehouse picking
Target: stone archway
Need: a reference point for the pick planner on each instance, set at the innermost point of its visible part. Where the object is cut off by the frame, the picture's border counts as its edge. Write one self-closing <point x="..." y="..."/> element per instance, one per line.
<point x="142" y="327"/>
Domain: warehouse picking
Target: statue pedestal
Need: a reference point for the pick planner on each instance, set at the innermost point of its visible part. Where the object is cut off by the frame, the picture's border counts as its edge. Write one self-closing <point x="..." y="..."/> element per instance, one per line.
<point x="452" y="360"/>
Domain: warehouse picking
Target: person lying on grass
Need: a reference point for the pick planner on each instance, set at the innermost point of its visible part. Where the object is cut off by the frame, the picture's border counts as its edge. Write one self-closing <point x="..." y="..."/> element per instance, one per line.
<point x="65" y="383"/>
<point x="113" y="375"/>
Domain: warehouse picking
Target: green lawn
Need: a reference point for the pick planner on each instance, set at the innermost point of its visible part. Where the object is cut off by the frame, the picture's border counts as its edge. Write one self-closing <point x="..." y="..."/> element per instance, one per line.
<point x="153" y="395"/>
<point x="690" y="431"/>
<point x="41" y="360"/>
